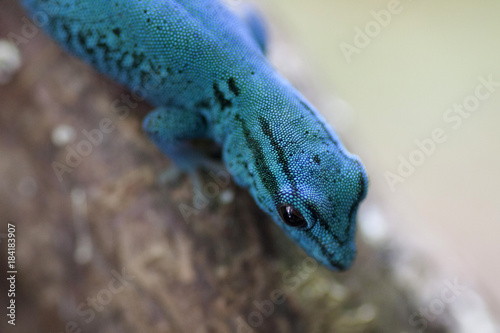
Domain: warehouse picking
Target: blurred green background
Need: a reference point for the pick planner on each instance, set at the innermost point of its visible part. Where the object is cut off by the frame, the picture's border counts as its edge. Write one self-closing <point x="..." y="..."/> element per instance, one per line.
<point x="400" y="86"/>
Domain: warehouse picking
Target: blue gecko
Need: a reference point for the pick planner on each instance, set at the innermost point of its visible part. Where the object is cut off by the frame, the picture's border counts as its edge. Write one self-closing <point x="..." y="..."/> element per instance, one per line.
<point x="204" y="68"/>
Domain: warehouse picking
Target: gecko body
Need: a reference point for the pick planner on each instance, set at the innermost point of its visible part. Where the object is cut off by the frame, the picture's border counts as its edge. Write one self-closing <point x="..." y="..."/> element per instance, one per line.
<point x="205" y="70"/>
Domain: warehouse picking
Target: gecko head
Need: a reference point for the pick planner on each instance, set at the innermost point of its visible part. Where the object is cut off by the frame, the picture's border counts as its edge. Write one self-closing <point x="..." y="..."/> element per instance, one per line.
<point x="318" y="210"/>
<point x="300" y="174"/>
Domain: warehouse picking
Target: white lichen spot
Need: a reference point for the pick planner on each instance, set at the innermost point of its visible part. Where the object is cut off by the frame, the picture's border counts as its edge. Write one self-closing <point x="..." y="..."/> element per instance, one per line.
<point x="339" y="292"/>
<point x="366" y="313"/>
<point x="63" y="135"/>
<point x="10" y="60"/>
<point x="83" y="243"/>
<point x="226" y="197"/>
<point x="362" y="315"/>
<point x="83" y="251"/>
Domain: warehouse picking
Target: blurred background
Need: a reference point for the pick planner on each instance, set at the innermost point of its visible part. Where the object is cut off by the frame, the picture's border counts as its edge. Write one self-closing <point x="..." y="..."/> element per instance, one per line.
<point x="402" y="82"/>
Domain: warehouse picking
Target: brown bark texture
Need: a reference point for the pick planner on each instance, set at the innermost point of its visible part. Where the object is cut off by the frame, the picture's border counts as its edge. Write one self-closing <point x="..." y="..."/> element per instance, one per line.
<point x="108" y="249"/>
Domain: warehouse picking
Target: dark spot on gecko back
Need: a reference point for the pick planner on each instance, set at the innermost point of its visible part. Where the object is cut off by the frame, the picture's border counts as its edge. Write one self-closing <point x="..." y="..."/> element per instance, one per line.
<point x="103" y="45"/>
<point x="232" y="86"/>
<point x="138" y="59"/>
<point x="219" y="96"/>
<point x="117" y="31"/>
<point x="82" y="39"/>
<point x="203" y="104"/>
<point x="67" y="30"/>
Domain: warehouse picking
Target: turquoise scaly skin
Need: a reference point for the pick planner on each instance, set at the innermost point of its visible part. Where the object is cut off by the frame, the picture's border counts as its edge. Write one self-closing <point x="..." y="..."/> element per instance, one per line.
<point x="205" y="70"/>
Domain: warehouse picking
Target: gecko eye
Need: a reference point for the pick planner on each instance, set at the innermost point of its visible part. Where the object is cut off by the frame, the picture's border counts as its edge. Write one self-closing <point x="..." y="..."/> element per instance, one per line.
<point x="292" y="216"/>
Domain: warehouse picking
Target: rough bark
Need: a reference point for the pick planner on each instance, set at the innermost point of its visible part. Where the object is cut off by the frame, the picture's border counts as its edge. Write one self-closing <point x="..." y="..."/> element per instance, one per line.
<point x="220" y="270"/>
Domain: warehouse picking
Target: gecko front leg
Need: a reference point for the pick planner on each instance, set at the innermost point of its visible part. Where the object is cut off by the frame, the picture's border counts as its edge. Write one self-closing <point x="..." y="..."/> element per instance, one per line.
<point x="170" y="128"/>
